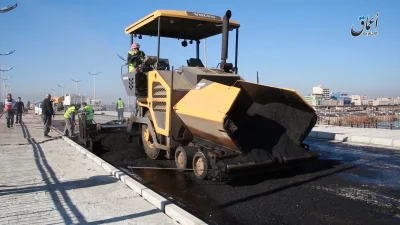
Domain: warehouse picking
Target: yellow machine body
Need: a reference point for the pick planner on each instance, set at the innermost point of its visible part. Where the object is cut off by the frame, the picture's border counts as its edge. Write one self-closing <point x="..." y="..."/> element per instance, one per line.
<point x="211" y="116"/>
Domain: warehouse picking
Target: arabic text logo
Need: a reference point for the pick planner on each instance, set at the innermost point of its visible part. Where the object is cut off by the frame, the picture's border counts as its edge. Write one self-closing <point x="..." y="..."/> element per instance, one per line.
<point x="366" y="25"/>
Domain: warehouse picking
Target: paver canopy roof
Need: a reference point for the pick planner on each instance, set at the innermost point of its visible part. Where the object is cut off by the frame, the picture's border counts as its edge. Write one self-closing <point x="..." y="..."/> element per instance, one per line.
<point x="180" y="25"/>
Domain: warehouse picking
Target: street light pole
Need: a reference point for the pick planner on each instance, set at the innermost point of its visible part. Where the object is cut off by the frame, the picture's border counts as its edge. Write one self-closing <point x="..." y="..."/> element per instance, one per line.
<point x="8" y="88"/>
<point x="8" y="8"/>
<point x="54" y="92"/>
<point x="76" y="83"/>
<point x="94" y="85"/>
<point x="7" y="53"/>
<point x="205" y="52"/>
<point x="62" y="88"/>
<point x="4" y="79"/>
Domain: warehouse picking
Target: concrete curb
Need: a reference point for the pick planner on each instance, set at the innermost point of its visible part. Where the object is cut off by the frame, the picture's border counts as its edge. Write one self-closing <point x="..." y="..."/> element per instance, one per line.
<point x="388" y="142"/>
<point x="173" y="211"/>
<point x="328" y="136"/>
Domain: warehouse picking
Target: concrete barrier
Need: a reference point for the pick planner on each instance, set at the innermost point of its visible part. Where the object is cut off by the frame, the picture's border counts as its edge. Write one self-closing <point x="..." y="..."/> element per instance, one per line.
<point x="382" y="141"/>
<point x="360" y="139"/>
<point x="328" y="136"/>
<point x="396" y="143"/>
<point x="388" y="142"/>
<point x="111" y="113"/>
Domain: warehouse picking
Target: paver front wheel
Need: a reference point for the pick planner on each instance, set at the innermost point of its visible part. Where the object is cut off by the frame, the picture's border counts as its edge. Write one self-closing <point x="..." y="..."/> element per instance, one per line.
<point x="147" y="140"/>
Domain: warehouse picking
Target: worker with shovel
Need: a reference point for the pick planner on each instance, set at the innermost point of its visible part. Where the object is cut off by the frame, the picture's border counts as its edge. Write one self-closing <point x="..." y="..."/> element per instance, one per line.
<point x="90" y="113"/>
<point x="69" y="117"/>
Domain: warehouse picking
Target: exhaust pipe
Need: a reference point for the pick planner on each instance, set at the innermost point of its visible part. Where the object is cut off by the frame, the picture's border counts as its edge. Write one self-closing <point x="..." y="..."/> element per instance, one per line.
<point x="225" y="36"/>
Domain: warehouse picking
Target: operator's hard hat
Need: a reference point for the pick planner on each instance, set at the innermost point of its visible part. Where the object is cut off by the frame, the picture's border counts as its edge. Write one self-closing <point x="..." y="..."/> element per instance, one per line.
<point x="135" y="45"/>
<point x="78" y="105"/>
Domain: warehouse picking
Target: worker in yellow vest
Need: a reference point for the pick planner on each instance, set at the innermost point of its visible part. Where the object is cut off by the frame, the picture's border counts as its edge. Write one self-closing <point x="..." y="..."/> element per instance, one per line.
<point x="135" y="57"/>
<point x="69" y="117"/>
<point x="89" y="113"/>
<point x="120" y="109"/>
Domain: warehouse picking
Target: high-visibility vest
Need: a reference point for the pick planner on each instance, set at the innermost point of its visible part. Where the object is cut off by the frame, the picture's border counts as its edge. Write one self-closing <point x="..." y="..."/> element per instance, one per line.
<point x="90" y="111"/>
<point x="120" y="104"/>
<point x="131" y="66"/>
<point x="67" y="114"/>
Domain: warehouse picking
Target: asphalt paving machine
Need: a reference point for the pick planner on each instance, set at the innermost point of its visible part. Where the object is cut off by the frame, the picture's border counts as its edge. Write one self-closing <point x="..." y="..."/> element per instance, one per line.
<point x="211" y="120"/>
<point x="92" y="134"/>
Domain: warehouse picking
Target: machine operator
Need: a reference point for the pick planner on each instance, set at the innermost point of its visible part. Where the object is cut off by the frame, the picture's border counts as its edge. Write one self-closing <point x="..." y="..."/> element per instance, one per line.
<point x="135" y="57"/>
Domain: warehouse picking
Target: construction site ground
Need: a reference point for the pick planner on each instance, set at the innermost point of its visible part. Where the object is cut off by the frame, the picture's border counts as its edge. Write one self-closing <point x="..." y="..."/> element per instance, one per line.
<point x="47" y="181"/>
<point x="349" y="184"/>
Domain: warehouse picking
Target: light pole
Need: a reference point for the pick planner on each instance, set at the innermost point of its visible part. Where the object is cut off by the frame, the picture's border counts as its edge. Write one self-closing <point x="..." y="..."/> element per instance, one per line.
<point x="62" y="88"/>
<point x="205" y="52"/>
<point x="54" y="92"/>
<point x="4" y="79"/>
<point x="7" y="53"/>
<point x="8" y="88"/>
<point x="76" y="83"/>
<point x="8" y="8"/>
<point x="94" y="84"/>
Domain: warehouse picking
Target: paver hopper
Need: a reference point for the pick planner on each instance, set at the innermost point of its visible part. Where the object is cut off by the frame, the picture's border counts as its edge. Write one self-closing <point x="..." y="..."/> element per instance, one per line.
<point x="208" y="119"/>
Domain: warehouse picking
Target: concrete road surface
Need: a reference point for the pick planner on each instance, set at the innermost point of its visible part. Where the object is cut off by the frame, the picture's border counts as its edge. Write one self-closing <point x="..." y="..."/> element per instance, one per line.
<point x="47" y="181"/>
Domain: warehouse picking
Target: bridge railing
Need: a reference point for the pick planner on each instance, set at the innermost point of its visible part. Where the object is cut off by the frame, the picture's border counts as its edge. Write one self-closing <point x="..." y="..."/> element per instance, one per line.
<point x="386" y="117"/>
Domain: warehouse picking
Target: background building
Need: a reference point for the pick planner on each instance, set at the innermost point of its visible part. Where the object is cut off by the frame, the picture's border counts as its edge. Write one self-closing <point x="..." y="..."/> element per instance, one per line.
<point x="332" y="102"/>
<point x="313" y="99"/>
<point x="359" y="100"/>
<point x="321" y="90"/>
<point x="381" y="101"/>
<point x="342" y="97"/>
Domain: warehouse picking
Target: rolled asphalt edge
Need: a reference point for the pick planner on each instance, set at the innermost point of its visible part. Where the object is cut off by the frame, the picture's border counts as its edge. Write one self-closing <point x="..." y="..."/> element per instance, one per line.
<point x="175" y="212"/>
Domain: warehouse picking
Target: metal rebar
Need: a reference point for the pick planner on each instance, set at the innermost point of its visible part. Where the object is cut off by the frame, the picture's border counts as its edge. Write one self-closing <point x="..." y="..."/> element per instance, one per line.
<point x="158" y="168"/>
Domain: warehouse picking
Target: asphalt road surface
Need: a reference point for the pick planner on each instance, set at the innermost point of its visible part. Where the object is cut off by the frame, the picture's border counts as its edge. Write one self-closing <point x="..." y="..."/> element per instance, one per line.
<point x="347" y="185"/>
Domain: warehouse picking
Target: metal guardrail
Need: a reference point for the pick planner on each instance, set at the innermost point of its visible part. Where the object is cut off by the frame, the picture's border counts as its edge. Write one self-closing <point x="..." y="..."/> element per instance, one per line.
<point x="127" y="108"/>
<point x="385" y="117"/>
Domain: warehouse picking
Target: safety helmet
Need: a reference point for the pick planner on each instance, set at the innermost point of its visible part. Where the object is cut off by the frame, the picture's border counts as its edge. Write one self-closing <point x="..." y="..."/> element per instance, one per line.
<point x="135" y="45"/>
<point x="78" y="105"/>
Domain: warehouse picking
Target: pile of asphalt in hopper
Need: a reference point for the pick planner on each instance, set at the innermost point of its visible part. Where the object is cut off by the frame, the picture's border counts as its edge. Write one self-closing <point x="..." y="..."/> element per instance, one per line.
<point x="272" y="131"/>
<point x="120" y="151"/>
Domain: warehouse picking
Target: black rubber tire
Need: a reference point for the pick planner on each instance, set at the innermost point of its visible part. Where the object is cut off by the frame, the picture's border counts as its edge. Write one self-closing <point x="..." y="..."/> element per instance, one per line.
<point x="184" y="157"/>
<point x="151" y="151"/>
<point x="202" y="175"/>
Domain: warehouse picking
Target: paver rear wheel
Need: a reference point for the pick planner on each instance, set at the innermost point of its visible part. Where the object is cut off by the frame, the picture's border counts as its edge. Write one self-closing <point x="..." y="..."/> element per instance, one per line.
<point x="200" y="165"/>
<point x="147" y="140"/>
<point x="184" y="156"/>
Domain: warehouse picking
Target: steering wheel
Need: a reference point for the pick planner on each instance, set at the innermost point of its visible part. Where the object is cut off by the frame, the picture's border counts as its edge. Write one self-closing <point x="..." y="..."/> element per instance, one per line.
<point x="162" y="65"/>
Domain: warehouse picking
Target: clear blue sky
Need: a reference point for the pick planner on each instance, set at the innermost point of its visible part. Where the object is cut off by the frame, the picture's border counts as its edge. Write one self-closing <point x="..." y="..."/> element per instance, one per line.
<point x="296" y="44"/>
